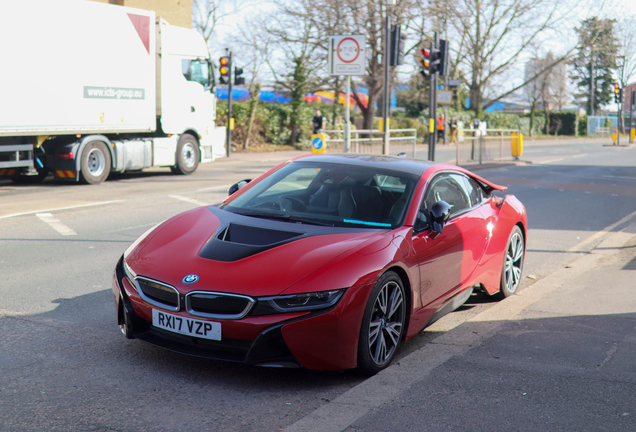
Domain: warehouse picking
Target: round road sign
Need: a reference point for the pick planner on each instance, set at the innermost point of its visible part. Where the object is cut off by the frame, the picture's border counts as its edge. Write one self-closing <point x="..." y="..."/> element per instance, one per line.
<point x="348" y="50"/>
<point x="317" y="143"/>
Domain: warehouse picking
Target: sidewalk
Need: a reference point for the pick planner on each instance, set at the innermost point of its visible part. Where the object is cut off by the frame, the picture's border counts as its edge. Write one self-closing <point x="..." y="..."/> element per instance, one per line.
<point x="557" y="356"/>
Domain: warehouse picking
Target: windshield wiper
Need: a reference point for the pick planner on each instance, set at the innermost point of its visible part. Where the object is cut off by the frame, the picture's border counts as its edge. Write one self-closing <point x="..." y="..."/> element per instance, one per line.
<point x="283" y="217"/>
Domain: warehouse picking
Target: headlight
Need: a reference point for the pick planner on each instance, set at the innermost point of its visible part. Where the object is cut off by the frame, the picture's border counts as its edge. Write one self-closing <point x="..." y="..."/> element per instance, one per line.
<point x="297" y="302"/>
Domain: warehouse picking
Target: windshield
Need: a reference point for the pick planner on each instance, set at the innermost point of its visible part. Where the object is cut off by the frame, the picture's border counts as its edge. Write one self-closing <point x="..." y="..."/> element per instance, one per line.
<point x="329" y="194"/>
<point x="196" y="70"/>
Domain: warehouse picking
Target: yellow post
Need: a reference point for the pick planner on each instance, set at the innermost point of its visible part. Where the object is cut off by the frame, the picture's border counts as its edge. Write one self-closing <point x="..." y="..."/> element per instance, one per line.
<point x="318" y="143"/>
<point x="516" y="144"/>
<point x="431" y="126"/>
<point x="232" y="123"/>
<point x="632" y="134"/>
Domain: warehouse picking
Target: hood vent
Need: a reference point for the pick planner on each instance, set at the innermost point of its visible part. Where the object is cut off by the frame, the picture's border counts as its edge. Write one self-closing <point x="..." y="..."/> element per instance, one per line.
<point x="239" y="241"/>
<point x="255" y="236"/>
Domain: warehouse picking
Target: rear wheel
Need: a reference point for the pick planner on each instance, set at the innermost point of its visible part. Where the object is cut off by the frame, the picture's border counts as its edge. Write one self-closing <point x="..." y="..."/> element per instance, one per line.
<point x="382" y="325"/>
<point x="513" y="264"/>
<point x="187" y="155"/>
<point x="95" y="163"/>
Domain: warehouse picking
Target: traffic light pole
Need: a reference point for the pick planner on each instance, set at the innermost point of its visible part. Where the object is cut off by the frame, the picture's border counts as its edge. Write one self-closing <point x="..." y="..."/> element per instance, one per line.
<point x="631" y="114"/>
<point x="386" y="100"/>
<point x="433" y="105"/>
<point x="229" y="108"/>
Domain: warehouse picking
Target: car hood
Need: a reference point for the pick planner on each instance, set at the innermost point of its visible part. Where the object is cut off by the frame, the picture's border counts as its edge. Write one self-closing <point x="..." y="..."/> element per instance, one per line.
<point x="239" y="254"/>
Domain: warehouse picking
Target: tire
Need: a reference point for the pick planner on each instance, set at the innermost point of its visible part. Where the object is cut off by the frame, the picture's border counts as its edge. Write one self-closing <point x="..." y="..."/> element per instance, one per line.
<point x="383" y="324"/>
<point x="187" y="155"/>
<point x="513" y="264"/>
<point x="94" y="163"/>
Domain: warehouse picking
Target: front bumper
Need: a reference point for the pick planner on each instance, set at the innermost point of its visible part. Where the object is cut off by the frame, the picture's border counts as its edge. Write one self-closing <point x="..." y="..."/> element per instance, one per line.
<point x="326" y="339"/>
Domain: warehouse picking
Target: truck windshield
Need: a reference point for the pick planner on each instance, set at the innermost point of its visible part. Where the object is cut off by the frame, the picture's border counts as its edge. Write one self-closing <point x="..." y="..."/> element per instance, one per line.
<point x="196" y="70"/>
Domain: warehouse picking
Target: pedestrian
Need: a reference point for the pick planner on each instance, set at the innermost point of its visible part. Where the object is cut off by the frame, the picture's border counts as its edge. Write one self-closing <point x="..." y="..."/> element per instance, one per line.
<point x="453" y="130"/>
<point x="318" y="120"/>
<point x="440" y="127"/>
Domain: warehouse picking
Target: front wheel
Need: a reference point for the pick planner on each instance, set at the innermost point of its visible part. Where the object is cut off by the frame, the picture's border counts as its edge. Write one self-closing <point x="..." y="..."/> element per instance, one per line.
<point x="382" y="325"/>
<point x="95" y="163"/>
<point x="187" y="155"/>
<point x="513" y="264"/>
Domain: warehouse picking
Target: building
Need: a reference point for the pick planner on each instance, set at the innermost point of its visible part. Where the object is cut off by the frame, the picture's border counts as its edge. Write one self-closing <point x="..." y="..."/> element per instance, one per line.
<point x="176" y="12"/>
<point x="550" y="87"/>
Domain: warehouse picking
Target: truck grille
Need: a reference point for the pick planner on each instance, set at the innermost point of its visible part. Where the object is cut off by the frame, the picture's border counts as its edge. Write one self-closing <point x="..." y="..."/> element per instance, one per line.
<point x="218" y="305"/>
<point x="158" y="294"/>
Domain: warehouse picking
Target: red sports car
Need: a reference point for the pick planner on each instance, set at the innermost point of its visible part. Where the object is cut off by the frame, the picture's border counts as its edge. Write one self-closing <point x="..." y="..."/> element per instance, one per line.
<point x="324" y="262"/>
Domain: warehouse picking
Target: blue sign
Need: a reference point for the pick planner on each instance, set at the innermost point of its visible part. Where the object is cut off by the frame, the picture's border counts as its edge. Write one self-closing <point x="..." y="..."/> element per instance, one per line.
<point x="317" y="143"/>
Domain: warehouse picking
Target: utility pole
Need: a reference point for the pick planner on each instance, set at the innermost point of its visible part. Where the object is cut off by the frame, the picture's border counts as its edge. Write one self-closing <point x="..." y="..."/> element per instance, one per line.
<point x="386" y="100"/>
<point x="432" y="136"/>
<point x="230" y="123"/>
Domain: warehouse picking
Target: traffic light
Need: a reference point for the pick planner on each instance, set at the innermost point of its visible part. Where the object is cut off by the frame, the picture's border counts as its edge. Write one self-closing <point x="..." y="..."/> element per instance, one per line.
<point x="442" y="56"/>
<point x="238" y="79"/>
<point x="618" y="93"/>
<point x="425" y="63"/>
<point x="224" y="70"/>
<point x="398" y="42"/>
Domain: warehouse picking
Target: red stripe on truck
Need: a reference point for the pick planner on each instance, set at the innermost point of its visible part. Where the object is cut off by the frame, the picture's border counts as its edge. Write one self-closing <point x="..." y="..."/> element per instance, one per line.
<point x="142" y="25"/>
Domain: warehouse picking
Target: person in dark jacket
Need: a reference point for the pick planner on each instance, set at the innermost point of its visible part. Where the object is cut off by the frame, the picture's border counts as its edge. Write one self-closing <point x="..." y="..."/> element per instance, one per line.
<point x="318" y="121"/>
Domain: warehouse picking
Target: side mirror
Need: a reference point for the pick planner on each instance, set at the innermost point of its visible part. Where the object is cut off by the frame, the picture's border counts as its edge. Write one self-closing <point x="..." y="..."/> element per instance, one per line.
<point x="238" y="185"/>
<point x="440" y="212"/>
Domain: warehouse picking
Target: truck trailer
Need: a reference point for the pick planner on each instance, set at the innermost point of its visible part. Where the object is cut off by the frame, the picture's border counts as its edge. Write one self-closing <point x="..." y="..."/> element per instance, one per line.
<point x="88" y="89"/>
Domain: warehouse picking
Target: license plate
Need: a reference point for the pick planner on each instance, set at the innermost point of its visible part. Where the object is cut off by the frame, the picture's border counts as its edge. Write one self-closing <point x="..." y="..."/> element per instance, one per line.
<point x="186" y="326"/>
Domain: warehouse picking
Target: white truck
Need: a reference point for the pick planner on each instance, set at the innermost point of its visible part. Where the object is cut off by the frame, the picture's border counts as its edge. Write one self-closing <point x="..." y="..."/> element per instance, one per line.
<point x="87" y="89"/>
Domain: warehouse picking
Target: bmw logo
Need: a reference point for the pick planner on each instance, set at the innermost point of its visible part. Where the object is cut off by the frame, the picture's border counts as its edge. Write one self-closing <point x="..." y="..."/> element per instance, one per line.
<point x="190" y="279"/>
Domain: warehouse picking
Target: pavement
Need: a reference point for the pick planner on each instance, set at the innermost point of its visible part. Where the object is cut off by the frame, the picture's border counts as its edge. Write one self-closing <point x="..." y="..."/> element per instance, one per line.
<point x="558" y="356"/>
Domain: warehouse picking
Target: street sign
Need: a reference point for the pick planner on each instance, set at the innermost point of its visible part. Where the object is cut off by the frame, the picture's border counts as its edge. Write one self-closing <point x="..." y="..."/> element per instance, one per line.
<point x="318" y="143"/>
<point x="453" y="83"/>
<point x="444" y="97"/>
<point x="347" y="55"/>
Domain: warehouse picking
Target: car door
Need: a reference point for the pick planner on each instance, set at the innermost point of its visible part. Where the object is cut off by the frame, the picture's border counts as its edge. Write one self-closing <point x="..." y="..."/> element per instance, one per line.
<point x="447" y="260"/>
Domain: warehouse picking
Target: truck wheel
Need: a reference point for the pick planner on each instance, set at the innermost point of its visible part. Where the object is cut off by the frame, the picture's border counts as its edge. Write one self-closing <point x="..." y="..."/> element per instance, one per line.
<point x="187" y="155"/>
<point x="95" y="163"/>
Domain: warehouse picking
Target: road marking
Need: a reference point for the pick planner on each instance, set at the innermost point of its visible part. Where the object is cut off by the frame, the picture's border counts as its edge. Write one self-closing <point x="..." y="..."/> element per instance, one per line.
<point x="215" y="189"/>
<point x="581" y="155"/>
<point x="550" y="161"/>
<point x="60" y="208"/>
<point x="55" y="224"/>
<point x="619" y="177"/>
<point x="189" y="200"/>
<point x="602" y="232"/>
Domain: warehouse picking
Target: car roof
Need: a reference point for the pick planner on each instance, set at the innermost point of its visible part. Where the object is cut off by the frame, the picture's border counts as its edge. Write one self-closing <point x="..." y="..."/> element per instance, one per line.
<point x="394" y="163"/>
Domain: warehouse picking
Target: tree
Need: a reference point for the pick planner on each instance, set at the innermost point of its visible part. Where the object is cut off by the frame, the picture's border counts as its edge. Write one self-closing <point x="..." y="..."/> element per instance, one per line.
<point x="594" y="62"/>
<point x="491" y="35"/>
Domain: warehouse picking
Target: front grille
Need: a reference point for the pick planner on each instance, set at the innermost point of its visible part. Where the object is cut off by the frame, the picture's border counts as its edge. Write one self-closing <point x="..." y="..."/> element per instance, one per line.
<point x="158" y="294"/>
<point x="218" y="305"/>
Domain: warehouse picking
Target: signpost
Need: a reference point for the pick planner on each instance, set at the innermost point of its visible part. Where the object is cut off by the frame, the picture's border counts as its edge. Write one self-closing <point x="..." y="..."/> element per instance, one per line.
<point x="347" y="56"/>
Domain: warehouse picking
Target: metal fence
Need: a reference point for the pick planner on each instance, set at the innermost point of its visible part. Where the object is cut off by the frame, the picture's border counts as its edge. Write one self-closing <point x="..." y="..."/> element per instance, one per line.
<point x="601" y="125"/>
<point x="368" y="141"/>
<point x="484" y="145"/>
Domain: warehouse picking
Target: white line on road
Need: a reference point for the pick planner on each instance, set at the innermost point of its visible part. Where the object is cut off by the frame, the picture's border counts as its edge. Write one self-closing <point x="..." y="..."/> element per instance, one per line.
<point x="602" y="232"/>
<point x="189" y="200"/>
<point x="55" y="224"/>
<point x="60" y="208"/>
<point x="215" y="189"/>
<point x="619" y="177"/>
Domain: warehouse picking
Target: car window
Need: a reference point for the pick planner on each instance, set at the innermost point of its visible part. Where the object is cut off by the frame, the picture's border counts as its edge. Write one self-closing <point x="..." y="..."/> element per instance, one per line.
<point x="449" y="188"/>
<point x="331" y="194"/>
<point x="471" y="189"/>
